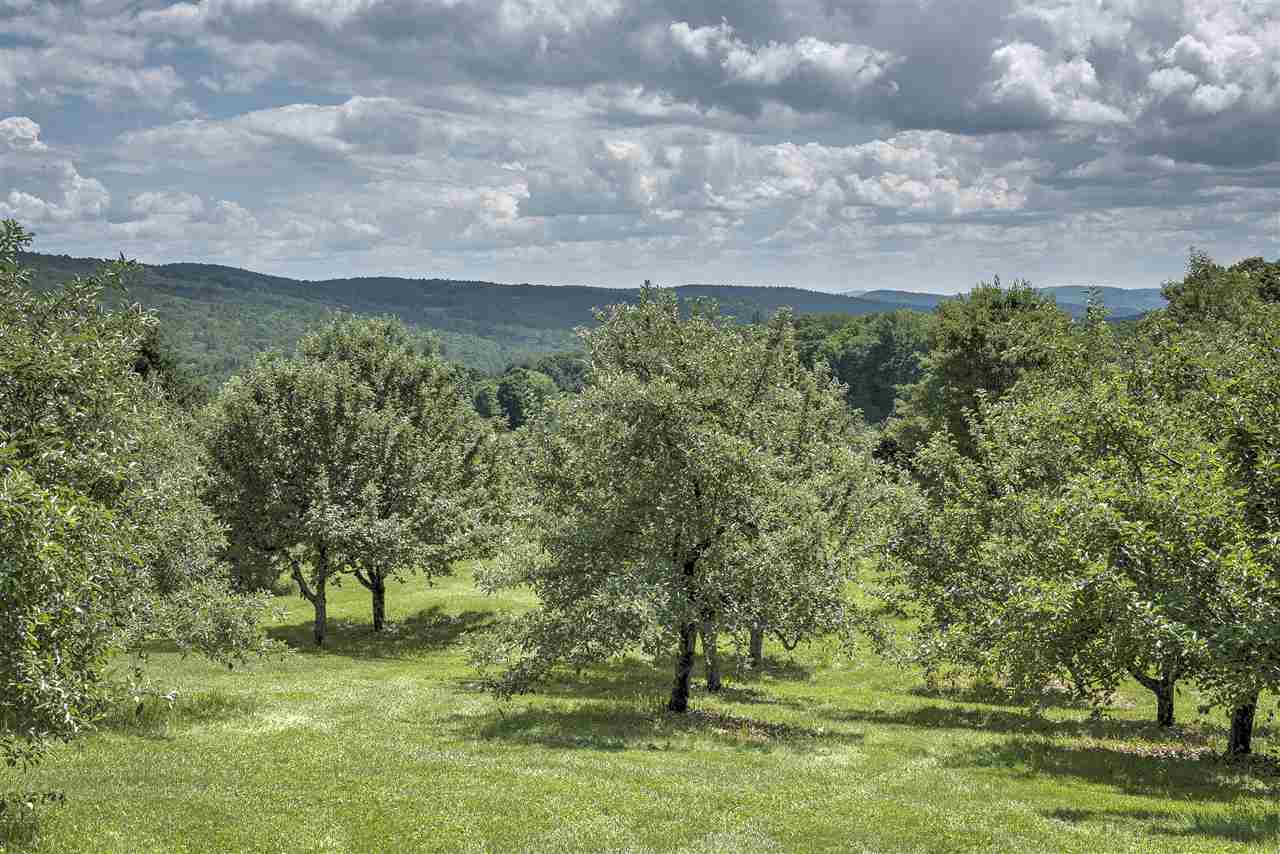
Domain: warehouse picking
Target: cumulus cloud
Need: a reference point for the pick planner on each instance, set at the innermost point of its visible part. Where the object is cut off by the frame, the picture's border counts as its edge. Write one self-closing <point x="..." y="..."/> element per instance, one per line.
<point x="59" y="55"/>
<point x="715" y="66"/>
<point x="1032" y="89"/>
<point x="606" y="141"/>
<point x="43" y="186"/>
<point x="19" y="133"/>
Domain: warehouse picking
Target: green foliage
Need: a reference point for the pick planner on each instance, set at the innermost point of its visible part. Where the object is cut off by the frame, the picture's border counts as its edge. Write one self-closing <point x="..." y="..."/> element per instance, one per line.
<point x="1225" y="377"/>
<point x="1210" y="292"/>
<point x="704" y="478"/>
<point x="156" y="361"/>
<point x="522" y="391"/>
<point x="218" y="319"/>
<point x="484" y="398"/>
<point x="360" y="455"/>
<point x="64" y="583"/>
<point x="979" y="345"/>
<point x="105" y="542"/>
<point x="522" y="394"/>
<point x="1115" y="517"/>
<point x="569" y="370"/>
<point x="873" y="355"/>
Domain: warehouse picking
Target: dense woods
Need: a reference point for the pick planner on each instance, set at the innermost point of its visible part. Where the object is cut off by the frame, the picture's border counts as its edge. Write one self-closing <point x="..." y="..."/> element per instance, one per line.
<point x="215" y="320"/>
<point x="997" y="489"/>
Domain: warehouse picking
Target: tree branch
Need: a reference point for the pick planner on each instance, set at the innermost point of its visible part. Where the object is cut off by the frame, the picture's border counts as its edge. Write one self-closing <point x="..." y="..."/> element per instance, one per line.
<point x="303" y="587"/>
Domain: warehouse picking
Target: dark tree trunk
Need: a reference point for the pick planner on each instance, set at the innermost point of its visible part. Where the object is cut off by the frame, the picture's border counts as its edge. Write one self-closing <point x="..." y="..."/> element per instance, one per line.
<point x="379" y="590"/>
<point x="684" y="668"/>
<point x="1163" y="688"/>
<point x="712" y="653"/>
<point x="376" y="584"/>
<point x="316" y="597"/>
<point x="1241" y="741"/>
<point x="1164" y="705"/>
<point x="757" y="647"/>
<point x="321" y="606"/>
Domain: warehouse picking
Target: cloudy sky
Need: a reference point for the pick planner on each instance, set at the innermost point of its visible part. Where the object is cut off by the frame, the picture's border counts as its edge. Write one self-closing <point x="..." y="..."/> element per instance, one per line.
<point x="832" y="144"/>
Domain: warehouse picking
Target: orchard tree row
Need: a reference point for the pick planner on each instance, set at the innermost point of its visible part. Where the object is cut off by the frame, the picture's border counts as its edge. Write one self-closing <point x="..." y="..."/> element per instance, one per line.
<point x="1106" y="506"/>
<point x="1050" y="503"/>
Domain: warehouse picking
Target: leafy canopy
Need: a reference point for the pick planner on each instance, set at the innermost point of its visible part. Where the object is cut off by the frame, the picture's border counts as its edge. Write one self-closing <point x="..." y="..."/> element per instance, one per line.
<point x="106" y="543"/>
<point x="1115" y="517"/>
<point x="704" y="476"/>
<point x="978" y="344"/>
<point x="871" y="354"/>
<point x="359" y="455"/>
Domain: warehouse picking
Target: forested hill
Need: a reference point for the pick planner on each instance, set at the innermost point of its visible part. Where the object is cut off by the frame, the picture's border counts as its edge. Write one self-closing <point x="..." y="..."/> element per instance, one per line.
<point x="218" y="317"/>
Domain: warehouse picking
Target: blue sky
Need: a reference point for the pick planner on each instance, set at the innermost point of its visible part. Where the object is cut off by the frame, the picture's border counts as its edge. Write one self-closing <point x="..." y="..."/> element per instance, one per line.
<point x="921" y="144"/>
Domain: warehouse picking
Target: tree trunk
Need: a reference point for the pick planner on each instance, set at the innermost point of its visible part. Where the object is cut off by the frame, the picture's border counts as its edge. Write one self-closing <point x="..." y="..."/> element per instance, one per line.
<point x="712" y="653"/>
<point x="1164" y="704"/>
<point x="684" y="668"/>
<point x="379" y="590"/>
<point x="316" y="597"/>
<point x="757" y="646"/>
<point x="321" y="606"/>
<point x="1241" y="741"/>
<point x="1163" y="688"/>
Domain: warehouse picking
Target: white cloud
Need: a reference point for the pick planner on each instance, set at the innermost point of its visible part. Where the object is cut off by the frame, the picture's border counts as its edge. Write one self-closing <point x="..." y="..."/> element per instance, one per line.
<point x="1033" y="83"/>
<point x="808" y="73"/>
<point x="19" y="133"/>
<point x="61" y="56"/>
<point x="43" y="186"/>
<point x="184" y="205"/>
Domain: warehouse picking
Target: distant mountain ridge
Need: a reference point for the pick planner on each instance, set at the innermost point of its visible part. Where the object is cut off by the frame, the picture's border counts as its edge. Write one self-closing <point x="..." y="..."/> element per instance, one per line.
<point x="1122" y="302"/>
<point x="220" y="317"/>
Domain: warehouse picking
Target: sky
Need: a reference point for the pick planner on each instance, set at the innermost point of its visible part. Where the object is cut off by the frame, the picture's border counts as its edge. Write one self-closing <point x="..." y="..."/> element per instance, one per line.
<point x="827" y="144"/>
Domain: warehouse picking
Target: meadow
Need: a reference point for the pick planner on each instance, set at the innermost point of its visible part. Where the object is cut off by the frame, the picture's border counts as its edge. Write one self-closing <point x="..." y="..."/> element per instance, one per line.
<point x="389" y="744"/>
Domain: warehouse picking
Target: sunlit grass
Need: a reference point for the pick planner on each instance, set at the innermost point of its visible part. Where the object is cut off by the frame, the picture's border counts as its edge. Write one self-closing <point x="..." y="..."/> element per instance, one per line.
<point x="387" y="744"/>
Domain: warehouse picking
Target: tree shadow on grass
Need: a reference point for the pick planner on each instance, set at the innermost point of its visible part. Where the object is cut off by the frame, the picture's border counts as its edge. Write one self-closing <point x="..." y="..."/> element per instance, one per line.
<point x="750" y="695"/>
<point x="428" y="630"/>
<point x="1238" y="826"/>
<point x="1188" y="772"/>
<point x="613" y="727"/>
<point x="787" y="670"/>
<point x="993" y="695"/>
<point x="1015" y="721"/>
<point x="631" y="679"/>
<point x="20" y="830"/>
<point x="155" y="717"/>
<point x="618" y="679"/>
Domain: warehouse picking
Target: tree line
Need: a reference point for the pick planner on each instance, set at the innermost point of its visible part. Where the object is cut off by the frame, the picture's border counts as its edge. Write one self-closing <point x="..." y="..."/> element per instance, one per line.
<point x="1046" y="501"/>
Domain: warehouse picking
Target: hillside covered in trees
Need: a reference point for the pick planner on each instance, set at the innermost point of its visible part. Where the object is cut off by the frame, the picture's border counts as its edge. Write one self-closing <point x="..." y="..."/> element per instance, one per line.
<point x="217" y="318"/>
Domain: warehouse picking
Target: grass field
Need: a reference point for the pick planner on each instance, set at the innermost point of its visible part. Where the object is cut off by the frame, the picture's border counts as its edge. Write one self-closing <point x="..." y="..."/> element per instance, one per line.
<point x="386" y="744"/>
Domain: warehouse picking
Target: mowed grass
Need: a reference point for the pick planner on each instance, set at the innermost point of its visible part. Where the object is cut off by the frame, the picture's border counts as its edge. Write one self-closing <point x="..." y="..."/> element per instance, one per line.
<point x="387" y="744"/>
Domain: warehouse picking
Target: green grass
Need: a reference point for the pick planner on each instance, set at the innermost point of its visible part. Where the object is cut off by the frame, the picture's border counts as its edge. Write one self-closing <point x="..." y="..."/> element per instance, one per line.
<point x="386" y="744"/>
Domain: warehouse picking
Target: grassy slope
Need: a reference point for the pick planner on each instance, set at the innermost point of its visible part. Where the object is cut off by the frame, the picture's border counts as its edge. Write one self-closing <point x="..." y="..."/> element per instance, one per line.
<point x="386" y="745"/>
